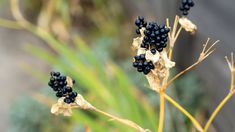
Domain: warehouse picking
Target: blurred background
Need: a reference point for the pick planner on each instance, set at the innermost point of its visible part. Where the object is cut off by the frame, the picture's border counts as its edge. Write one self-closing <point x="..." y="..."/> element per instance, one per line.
<point x="90" y="41"/>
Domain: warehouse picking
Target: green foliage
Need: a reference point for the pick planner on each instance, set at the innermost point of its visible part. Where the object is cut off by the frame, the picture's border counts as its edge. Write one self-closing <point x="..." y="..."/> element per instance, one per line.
<point x="106" y="85"/>
<point x="189" y="92"/>
<point x="27" y="115"/>
<point x="100" y="80"/>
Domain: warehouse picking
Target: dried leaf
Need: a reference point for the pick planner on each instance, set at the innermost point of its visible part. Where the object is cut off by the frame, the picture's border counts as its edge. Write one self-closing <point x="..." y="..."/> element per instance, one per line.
<point x="188" y="25"/>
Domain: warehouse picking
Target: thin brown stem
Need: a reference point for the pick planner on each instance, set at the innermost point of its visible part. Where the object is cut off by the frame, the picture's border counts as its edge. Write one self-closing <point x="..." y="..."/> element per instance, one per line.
<point x="123" y="121"/>
<point x="203" y="55"/>
<point x="181" y="73"/>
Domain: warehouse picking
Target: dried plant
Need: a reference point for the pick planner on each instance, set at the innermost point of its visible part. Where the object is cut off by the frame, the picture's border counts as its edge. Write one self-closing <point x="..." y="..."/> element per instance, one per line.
<point x="153" y="58"/>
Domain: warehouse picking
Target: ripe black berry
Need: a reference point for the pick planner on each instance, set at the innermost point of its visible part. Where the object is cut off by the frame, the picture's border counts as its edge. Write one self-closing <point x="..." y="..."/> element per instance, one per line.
<point x="139" y="22"/>
<point x="137" y="31"/>
<point x="153" y="51"/>
<point x="155" y="36"/>
<point x="67" y="100"/>
<point x="59" y="84"/>
<point x="73" y="94"/>
<point x="142" y="64"/>
<point x="185" y="6"/>
<point x="59" y="94"/>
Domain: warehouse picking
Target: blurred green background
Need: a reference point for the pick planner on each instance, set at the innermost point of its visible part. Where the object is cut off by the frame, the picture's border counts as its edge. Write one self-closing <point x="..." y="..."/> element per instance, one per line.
<point x="89" y="40"/>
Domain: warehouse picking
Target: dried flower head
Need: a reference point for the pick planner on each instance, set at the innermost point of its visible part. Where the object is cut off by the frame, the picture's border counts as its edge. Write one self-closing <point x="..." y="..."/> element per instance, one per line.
<point x="66" y="109"/>
<point x="63" y="87"/>
<point x="142" y="64"/>
<point x="67" y="98"/>
<point x="150" y="54"/>
<point x="61" y="108"/>
<point x="152" y="57"/>
<point x="188" y="25"/>
<point x="153" y="36"/>
<point x="161" y="62"/>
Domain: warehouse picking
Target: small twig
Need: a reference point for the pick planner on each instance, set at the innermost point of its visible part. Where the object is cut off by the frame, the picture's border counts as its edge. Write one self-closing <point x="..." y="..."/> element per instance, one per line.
<point x="178" y="32"/>
<point x="203" y="55"/>
<point x="232" y="70"/>
<point x="229" y="95"/>
<point x="181" y="73"/>
<point x="207" y="51"/>
<point x="173" y="35"/>
<point x="175" y="25"/>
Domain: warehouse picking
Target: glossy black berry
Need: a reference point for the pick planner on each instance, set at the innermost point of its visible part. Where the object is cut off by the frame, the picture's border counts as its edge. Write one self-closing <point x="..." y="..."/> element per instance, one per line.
<point x="160" y="49"/>
<point x="153" y="51"/>
<point x="155" y="36"/>
<point x="50" y="84"/>
<point x="67" y="100"/>
<point x="137" y="31"/>
<point x="137" y="57"/>
<point x="59" y="94"/>
<point x="146" y="70"/>
<point x="57" y="74"/>
<point x="73" y="94"/>
<point x="142" y="56"/>
<point x="140" y="22"/>
<point x="185" y="6"/>
<point x="59" y="84"/>
<point x="68" y="89"/>
<point x="142" y="65"/>
<point x="135" y="64"/>
<point x="139" y="69"/>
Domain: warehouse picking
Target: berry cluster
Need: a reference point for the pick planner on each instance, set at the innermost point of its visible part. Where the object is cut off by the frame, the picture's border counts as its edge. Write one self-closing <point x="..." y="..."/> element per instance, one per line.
<point x="155" y="37"/>
<point x="140" y="22"/>
<point x="59" y="84"/>
<point x="142" y="65"/>
<point x="185" y="6"/>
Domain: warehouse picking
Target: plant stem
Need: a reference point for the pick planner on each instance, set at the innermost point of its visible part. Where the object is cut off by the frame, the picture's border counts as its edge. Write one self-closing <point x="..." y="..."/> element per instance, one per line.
<point x="123" y="121"/>
<point x="181" y="73"/>
<point x="185" y="112"/>
<point x="217" y="109"/>
<point x="232" y="80"/>
<point x="232" y="73"/>
<point x="161" y="116"/>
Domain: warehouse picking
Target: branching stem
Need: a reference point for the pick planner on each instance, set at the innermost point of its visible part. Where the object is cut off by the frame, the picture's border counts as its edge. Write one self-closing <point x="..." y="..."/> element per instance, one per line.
<point x="21" y="22"/>
<point x="181" y="73"/>
<point x="217" y="109"/>
<point x="185" y="112"/>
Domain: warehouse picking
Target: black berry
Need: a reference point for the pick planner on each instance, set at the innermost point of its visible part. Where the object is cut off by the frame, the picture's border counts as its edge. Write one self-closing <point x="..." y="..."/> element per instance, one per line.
<point x="140" y="22"/>
<point x="59" y="84"/>
<point x="142" y="64"/>
<point x="155" y="36"/>
<point x="67" y="100"/>
<point x="185" y="6"/>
